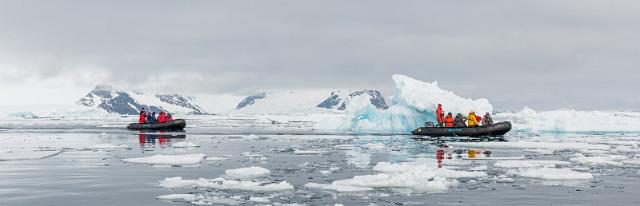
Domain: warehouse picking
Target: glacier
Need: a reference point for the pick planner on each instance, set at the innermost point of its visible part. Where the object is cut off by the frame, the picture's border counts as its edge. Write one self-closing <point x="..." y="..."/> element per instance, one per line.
<point x="413" y="103"/>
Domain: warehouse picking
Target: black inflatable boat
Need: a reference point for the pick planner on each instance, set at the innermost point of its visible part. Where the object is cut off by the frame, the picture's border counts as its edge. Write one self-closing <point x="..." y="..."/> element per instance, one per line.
<point x="177" y="124"/>
<point x="496" y="129"/>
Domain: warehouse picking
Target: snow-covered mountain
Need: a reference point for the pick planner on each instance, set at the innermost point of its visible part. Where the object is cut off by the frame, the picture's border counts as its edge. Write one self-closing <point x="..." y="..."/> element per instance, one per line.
<point x="304" y="101"/>
<point x="112" y="100"/>
<point x="338" y="100"/>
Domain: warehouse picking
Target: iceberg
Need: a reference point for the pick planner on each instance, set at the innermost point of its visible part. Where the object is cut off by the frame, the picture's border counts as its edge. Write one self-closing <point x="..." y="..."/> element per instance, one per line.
<point x="413" y="103"/>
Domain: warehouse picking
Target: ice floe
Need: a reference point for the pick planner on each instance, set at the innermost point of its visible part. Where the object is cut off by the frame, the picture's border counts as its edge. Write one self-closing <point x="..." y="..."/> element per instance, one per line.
<point x="530" y="163"/>
<point x="184" y="144"/>
<point x="160" y="159"/>
<point x="551" y="173"/>
<point x="178" y="197"/>
<point x="533" y="145"/>
<point x="246" y="172"/>
<point x="600" y="160"/>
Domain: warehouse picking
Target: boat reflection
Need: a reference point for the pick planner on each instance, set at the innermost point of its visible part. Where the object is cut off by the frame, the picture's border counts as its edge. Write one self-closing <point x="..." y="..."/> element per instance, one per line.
<point x="158" y="137"/>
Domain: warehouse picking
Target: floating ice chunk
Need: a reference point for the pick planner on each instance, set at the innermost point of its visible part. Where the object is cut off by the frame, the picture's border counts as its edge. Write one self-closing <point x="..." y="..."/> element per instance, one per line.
<point x="533" y="145"/>
<point x="221" y="183"/>
<point x="259" y="199"/>
<point x="216" y="158"/>
<point x="251" y="136"/>
<point x="9" y="155"/>
<point x="529" y="163"/>
<point x="246" y="172"/>
<point x="603" y="160"/>
<point x="551" y="173"/>
<point x="185" y="159"/>
<point x="505" y="180"/>
<point x="375" y="146"/>
<point x="308" y="152"/>
<point x="337" y="188"/>
<point x="184" y="144"/>
<point x="178" y="197"/>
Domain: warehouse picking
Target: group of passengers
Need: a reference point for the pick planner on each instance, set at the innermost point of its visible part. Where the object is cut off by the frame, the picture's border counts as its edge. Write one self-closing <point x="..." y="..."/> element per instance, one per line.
<point x="472" y="120"/>
<point x="150" y="117"/>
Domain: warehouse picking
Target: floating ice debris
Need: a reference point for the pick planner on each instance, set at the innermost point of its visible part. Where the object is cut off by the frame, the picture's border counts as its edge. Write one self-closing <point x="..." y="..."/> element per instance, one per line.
<point x="221" y="183"/>
<point x="632" y="161"/>
<point x="184" y="144"/>
<point x="415" y="176"/>
<point x="529" y="163"/>
<point x="250" y="155"/>
<point x="9" y="155"/>
<point x="251" y="136"/>
<point x="259" y="199"/>
<point x="308" y="152"/>
<point x="185" y="159"/>
<point x="246" y="172"/>
<point x="602" y="160"/>
<point x="337" y="188"/>
<point x="551" y="173"/>
<point x="505" y="180"/>
<point x="479" y="168"/>
<point x="533" y="145"/>
<point x="178" y="197"/>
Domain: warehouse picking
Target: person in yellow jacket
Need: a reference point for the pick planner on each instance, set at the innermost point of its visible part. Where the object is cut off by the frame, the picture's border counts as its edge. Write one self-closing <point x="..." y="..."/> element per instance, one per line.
<point x="471" y="120"/>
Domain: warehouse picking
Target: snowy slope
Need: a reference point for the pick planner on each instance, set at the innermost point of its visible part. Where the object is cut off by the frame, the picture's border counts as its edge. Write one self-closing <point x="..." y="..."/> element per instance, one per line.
<point x="113" y="100"/>
<point x="281" y="102"/>
<point x="338" y="100"/>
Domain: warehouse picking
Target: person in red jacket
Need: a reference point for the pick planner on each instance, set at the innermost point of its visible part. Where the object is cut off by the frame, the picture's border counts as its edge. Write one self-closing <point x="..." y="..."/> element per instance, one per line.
<point x="169" y="117"/>
<point x="142" y="117"/>
<point x="161" y="117"/>
<point x="440" y="115"/>
<point x="478" y="118"/>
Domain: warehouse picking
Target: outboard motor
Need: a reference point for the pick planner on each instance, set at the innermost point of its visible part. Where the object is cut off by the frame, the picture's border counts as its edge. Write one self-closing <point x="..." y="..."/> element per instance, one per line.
<point x="429" y="124"/>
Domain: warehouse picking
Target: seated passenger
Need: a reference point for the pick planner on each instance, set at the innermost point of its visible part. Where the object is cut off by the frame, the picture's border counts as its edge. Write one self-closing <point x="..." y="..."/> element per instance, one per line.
<point x="169" y="117"/>
<point x="161" y="118"/>
<point x="152" y="118"/>
<point x="459" y="121"/>
<point x="471" y="119"/>
<point x="448" y="120"/>
<point x="487" y="120"/>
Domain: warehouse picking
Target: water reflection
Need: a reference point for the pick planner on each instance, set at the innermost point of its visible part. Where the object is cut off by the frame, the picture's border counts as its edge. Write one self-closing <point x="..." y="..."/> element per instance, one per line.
<point x="159" y="137"/>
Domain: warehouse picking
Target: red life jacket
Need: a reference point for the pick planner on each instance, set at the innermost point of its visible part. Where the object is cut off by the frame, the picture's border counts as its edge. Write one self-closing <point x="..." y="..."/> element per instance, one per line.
<point x="439" y="115"/>
<point x="161" y="118"/>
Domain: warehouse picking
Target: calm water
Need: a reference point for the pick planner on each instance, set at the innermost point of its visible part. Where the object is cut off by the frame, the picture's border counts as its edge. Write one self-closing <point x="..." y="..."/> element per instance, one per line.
<point x="82" y="175"/>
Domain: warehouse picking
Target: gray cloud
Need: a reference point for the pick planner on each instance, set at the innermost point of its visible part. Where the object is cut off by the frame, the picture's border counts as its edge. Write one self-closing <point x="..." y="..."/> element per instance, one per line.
<point x="545" y="54"/>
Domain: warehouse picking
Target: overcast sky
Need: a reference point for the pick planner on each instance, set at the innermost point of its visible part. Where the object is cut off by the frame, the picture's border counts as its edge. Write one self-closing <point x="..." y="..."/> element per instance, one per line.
<point x="544" y="54"/>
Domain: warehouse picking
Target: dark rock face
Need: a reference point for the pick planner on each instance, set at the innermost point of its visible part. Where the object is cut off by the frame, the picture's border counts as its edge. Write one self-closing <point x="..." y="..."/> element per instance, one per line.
<point x="120" y="102"/>
<point x="336" y="102"/>
<point x="250" y="100"/>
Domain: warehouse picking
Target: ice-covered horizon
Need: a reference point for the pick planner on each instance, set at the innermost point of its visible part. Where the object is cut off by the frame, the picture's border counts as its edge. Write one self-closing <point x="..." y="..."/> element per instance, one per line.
<point x="412" y="103"/>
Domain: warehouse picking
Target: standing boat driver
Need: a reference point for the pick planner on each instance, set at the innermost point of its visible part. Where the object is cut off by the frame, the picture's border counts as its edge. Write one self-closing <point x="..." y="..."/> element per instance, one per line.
<point x="142" y="117"/>
<point x="487" y="120"/>
<point x="440" y="115"/>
